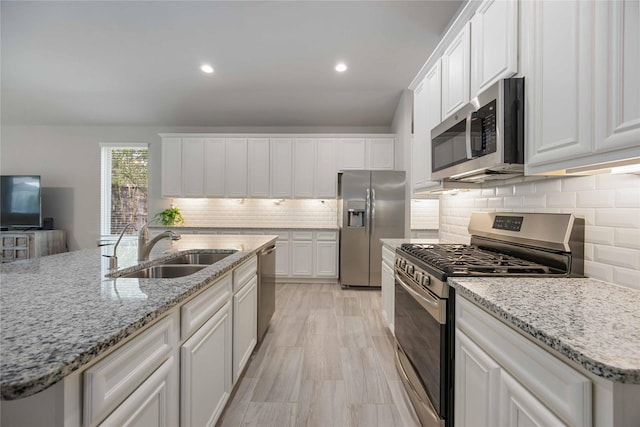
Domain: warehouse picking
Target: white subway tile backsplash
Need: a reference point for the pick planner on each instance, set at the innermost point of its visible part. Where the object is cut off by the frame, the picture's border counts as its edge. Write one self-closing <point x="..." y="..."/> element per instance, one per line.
<point x="534" y="201"/>
<point x="627" y="238"/>
<point x="622" y="257"/>
<point x="495" y="202"/>
<point x="599" y="235"/>
<point x="561" y="200"/>
<point x="628" y="198"/>
<point x="598" y="271"/>
<point x="524" y="189"/>
<point x="578" y="183"/>
<point x="506" y="190"/>
<point x="606" y="181"/>
<point x="488" y="192"/>
<point x="626" y="277"/>
<point x="619" y="217"/>
<point x="513" y="202"/>
<point x="481" y="203"/>
<point x="595" y="199"/>
<point x="548" y="186"/>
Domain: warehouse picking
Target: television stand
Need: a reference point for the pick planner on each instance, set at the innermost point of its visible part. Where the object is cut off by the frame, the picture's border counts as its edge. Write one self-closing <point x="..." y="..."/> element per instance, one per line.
<point x="17" y="245"/>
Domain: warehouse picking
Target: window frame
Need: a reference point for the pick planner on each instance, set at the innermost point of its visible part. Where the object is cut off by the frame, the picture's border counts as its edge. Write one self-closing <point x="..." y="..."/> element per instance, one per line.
<point x="106" y="150"/>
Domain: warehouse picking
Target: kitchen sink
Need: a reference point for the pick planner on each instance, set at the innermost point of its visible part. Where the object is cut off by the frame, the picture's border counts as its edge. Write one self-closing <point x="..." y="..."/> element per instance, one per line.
<point x="198" y="258"/>
<point x="164" y="271"/>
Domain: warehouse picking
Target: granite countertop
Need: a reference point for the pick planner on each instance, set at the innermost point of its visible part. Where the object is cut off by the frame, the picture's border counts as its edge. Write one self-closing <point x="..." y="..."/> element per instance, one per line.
<point x="592" y="323"/>
<point x="59" y="312"/>
<point x="253" y="227"/>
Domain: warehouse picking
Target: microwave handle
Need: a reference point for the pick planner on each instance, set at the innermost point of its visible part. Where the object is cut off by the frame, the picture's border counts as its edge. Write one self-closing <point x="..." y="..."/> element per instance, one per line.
<point x="467" y="134"/>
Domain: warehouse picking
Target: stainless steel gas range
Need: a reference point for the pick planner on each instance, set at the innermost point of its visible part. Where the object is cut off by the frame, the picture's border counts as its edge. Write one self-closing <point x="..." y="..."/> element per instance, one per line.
<point x="502" y="244"/>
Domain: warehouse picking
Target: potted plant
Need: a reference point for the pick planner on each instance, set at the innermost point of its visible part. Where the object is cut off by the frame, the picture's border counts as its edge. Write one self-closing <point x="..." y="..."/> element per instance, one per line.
<point x="170" y="216"/>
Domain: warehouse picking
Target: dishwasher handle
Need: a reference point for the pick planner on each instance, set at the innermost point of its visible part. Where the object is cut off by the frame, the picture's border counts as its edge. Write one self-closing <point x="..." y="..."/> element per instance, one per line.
<point x="268" y="250"/>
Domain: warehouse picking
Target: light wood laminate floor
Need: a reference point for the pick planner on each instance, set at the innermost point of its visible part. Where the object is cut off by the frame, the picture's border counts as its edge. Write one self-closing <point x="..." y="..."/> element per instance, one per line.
<point x="327" y="360"/>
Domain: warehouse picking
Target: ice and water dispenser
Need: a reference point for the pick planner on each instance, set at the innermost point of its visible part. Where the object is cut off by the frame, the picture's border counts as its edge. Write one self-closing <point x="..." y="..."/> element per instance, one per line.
<point x="356" y="213"/>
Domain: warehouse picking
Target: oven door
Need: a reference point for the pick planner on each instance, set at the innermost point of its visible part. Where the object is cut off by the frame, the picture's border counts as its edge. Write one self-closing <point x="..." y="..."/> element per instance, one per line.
<point x="423" y="349"/>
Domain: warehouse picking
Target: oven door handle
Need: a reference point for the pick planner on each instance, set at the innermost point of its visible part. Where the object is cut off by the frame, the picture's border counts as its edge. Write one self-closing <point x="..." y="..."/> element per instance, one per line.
<point x="433" y="306"/>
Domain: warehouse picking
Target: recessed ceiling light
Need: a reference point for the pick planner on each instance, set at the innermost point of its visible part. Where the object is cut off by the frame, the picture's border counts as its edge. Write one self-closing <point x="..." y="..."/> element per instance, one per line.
<point x="341" y="67"/>
<point x="206" y="68"/>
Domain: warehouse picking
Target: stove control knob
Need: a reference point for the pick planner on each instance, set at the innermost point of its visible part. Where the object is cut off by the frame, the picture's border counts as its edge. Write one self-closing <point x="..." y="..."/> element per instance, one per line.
<point x="410" y="269"/>
<point x="426" y="280"/>
<point x="418" y="277"/>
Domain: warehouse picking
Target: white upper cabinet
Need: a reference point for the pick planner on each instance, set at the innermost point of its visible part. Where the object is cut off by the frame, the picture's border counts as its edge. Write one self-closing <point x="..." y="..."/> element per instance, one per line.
<point x="380" y="153"/>
<point x="618" y="95"/>
<point x="192" y="167"/>
<point x="455" y="73"/>
<point x="326" y="173"/>
<point x="236" y="156"/>
<point x="581" y="63"/>
<point x="494" y="43"/>
<point x="281" y="167"/>
<point x="171" y="167"/>
<point x="258" y="164"/>
<point x="215" y="170"/>
<point x="352" y="153"/>
<point x="303" y="167"/>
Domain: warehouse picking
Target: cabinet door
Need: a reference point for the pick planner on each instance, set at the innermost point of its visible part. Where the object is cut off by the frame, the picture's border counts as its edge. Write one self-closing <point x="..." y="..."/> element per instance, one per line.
<point x="205" y="381"/>
<point x="282" y="258"/>
<point x="351" y="153"/>
<point x="192" y="167"/>
<point x="258" y="163"/>
<point x="455" y="73"/>
<point x="619" y="126"/>
<point x="281" y="165"/>
<point x="326" y="179"/>
<point x="520" y="408"/>
<point x="215" y="167"/>
<point x="236" y="155"/>
<point x="302" y="258"/>
<point x="494" y="43"/>
<point x="557" y="63"/>
<point x="245" y="325"/>
<point x="171" y="167"/>
<point x="152" y="404"/>
<point x="304" y="163"/>
<point x="477" y="385"/>
<point x="388" y="294"/>
<point x="326" y="259"/>
<point x="380" y="153"/>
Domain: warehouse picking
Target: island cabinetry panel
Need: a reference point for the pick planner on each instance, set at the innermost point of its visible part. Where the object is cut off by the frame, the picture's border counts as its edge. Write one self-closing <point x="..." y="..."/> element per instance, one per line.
<point x="388" y="285"/>
<point x="245" y="315"/>
<point x="535" y="387"/>
<point x="109" y="383"/>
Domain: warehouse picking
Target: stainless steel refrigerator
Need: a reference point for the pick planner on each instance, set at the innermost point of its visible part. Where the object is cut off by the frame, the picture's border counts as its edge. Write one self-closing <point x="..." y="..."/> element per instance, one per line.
<point x="371" y="206"/>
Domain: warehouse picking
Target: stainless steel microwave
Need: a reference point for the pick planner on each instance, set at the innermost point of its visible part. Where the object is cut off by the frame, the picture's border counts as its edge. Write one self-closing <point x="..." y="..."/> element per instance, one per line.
<point x="484" y="140"/>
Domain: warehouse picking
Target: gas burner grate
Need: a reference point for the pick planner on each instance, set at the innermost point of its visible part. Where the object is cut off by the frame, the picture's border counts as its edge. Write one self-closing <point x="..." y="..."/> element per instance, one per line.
<point x="468" y="260"/>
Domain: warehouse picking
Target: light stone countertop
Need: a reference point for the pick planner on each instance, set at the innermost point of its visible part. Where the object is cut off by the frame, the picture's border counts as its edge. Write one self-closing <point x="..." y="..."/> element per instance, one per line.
<point x="592" y="323"/>
<point x="258" y="227"/>
<point x="60" y="312"/>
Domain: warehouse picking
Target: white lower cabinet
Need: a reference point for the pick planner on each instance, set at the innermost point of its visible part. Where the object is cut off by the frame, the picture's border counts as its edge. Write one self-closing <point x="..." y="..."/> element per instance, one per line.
<point x="152" y="404"/>
<point x="302" y="258"/>
<point x="326" y="264"/>
<point x="388" y="284"/>
<point x="205" y="381"/>
<point x="245" y="314"/>
<point x="504" y="379"/>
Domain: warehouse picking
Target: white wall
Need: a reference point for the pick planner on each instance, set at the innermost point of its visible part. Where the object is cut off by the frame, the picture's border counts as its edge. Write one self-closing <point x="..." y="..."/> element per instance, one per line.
<point x="68" y="159"/>
<point x="610" y="205"/>
<point x="401" y="126"/>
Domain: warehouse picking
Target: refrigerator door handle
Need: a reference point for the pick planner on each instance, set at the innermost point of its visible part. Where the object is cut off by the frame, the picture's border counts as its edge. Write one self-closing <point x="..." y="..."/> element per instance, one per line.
<point x="373" y="211"/>
<point x="367" y="222"/>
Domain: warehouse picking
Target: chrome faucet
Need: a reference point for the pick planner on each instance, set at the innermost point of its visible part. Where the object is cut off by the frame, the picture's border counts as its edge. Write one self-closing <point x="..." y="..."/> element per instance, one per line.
<point x="145" y="245"/>
<point x="113" y="259"/>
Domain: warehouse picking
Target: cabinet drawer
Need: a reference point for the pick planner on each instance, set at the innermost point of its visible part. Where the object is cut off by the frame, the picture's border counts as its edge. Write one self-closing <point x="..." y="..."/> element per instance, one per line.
<point x="244" y="273"/>
<point x="561" y="388"/>
<point x="327" y="235"/>
<point x="111" y="381"/>
<point x="197" y="311"/>
<point x="388" y="256"/>
<point x="302" y="235"/>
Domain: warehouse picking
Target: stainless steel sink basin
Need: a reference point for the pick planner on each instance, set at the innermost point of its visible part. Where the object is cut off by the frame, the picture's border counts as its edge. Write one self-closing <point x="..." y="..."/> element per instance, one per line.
<point x="165" y="271"/>
<point x="198" y="258"/>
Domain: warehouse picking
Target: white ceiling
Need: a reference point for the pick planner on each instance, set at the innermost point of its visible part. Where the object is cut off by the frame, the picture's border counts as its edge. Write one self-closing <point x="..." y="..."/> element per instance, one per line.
<point x="137" y="63"/>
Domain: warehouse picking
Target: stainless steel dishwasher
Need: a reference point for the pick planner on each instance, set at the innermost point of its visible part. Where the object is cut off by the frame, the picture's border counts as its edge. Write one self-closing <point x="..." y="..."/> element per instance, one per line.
<point x="266" y="288"/>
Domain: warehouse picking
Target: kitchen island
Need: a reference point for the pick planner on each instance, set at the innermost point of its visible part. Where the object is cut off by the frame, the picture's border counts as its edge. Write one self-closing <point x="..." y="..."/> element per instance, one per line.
<point x="62" y="314"/>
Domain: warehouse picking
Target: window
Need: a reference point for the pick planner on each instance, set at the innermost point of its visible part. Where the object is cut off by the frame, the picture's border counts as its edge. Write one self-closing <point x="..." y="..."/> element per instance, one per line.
<point x="124" y="170"/>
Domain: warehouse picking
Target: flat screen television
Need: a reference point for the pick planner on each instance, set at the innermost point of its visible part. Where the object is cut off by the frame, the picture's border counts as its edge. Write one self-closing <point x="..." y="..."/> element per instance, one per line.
<point x="20" y="201"/>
